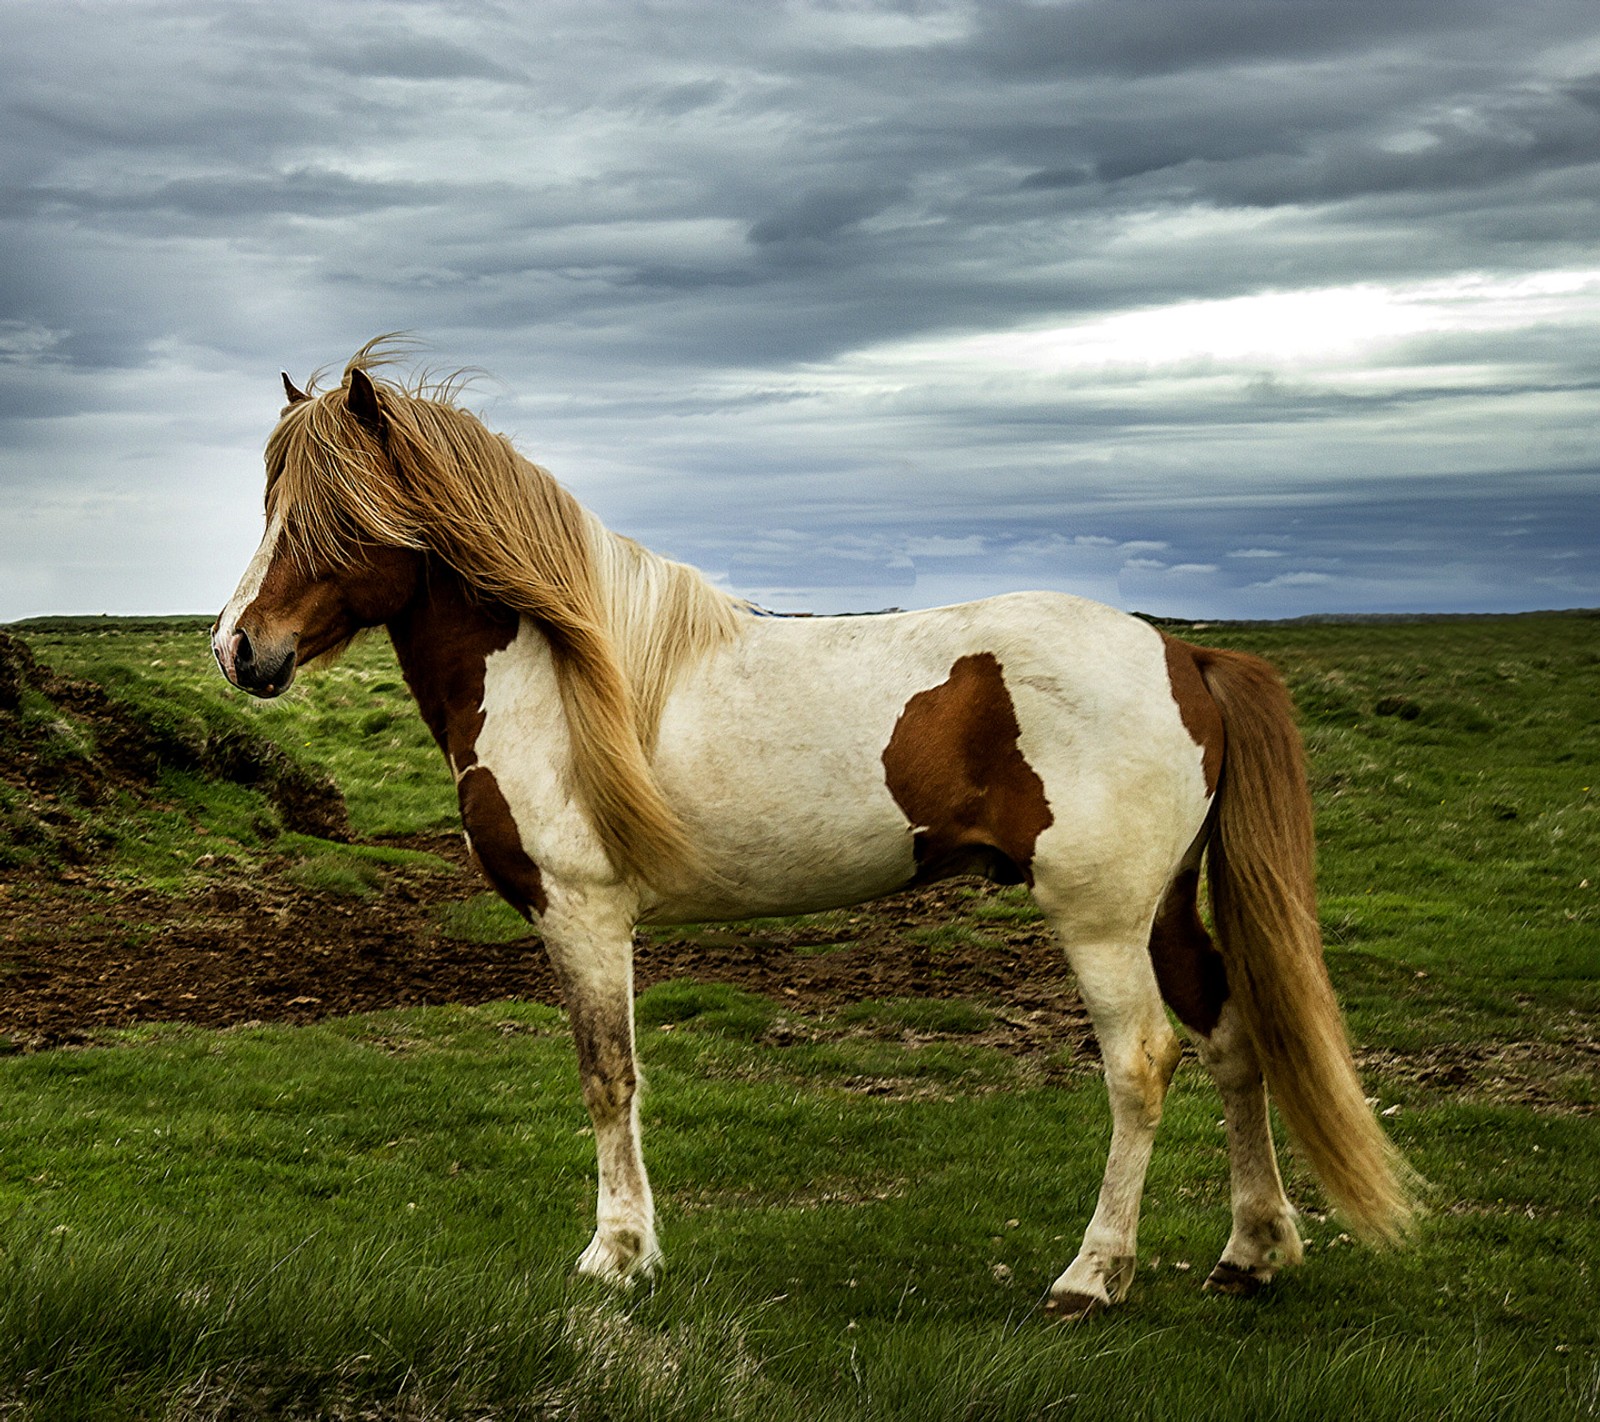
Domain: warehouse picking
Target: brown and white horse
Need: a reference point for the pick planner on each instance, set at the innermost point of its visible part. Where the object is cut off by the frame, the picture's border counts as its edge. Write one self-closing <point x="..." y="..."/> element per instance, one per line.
<point x="631" y="744"/>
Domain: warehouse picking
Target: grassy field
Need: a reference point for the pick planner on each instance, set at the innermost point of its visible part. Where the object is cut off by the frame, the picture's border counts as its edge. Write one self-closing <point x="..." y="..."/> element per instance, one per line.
<point x="375" y="1217"/>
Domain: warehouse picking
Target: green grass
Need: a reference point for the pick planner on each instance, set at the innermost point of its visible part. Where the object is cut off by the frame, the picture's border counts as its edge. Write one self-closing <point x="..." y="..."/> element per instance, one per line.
<point x="418" y="1182"/>
<point x="484" y="918"/>
<point x="376" y="1217"/>
<point x="1469" y="834"/>
<point x="353" y="720"/>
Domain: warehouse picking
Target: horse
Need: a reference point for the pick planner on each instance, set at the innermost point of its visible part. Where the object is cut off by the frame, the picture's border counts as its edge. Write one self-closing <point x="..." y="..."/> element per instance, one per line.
<point x="631" y="744"/>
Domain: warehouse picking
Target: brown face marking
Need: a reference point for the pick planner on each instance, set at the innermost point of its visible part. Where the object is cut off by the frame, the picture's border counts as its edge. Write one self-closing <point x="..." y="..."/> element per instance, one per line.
<point x="1200" y="716"/>
<point x="954" y="768"/>
<point x="497" y="843"/>
<point x="318" y="611"/>
<point x="1189" y="970"/>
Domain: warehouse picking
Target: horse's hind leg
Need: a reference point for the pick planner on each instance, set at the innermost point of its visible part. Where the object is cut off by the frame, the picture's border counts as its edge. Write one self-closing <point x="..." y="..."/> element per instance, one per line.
<point x="1140" y="1051"/>
<point x="591" y="949"/>
<point x="1264" y="1237"/>
<point x="1195" y="985"/>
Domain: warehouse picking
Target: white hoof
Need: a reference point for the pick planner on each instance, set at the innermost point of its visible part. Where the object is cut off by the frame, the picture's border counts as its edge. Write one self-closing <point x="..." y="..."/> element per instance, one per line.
<point x="621" y="1254"/>
<point x="1089" y="1285"/>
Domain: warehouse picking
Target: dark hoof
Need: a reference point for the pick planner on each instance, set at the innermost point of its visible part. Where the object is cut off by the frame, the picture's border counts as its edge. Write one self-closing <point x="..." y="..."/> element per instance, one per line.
<point x="1230" y="1279"/>
<point x="1069" y="1308"/>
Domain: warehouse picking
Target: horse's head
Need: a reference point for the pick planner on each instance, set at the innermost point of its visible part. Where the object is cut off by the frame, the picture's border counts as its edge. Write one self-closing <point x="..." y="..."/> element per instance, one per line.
<point x="320" y="576"/>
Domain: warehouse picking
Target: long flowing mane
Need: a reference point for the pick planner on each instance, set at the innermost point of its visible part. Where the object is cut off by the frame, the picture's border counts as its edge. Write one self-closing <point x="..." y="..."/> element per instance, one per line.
<point x="623" y="623"/>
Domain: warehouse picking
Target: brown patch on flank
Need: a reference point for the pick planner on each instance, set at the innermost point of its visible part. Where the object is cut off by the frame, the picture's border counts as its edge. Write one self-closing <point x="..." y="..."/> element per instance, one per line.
<point x="497" y="843"/>
<point x="1201" y="718"/>
<point x="442" y="643"/>
<point x="1189" y="970"/>
<point x="954" y="768"/>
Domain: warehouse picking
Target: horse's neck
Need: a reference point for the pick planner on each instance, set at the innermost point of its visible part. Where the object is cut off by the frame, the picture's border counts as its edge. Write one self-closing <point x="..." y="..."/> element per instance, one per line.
<point x="442" y="641"/>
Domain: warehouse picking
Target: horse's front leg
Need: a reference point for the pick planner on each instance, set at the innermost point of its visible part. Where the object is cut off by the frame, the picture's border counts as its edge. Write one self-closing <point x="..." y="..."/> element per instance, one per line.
<point x="591" y="949"/>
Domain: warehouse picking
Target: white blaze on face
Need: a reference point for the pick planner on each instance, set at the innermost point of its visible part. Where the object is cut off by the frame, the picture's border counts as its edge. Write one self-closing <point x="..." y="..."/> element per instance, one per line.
<point x="222" y="638"/>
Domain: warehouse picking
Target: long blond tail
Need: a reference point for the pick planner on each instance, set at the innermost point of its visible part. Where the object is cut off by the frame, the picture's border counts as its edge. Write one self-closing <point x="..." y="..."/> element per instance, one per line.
<point x="1261" y="861"/>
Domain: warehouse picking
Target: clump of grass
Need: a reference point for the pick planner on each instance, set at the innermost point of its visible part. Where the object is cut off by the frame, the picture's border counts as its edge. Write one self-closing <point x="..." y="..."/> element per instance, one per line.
<point x="337" y="874"/>
<point x="484" y="918"/>
<point x="946" y="936"/>
<point x="710" y="1007"/>
<point x="353" y="721"/>
<point x="1003" y="906"/>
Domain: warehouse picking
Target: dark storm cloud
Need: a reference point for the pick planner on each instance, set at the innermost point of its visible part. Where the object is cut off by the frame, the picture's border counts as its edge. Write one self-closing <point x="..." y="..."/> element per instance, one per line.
<point x="305" y="192"/>
<point x="822" y="214"/>
<point x="416" y="57"/>
<point x="1109" y="37"/>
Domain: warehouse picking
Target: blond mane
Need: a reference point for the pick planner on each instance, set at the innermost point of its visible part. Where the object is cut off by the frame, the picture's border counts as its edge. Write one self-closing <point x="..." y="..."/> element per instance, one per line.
<point x="622" y="622"/>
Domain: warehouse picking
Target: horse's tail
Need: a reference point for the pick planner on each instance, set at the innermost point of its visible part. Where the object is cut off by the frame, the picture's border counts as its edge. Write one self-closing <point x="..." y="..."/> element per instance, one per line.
<point x="1261" y="860"/>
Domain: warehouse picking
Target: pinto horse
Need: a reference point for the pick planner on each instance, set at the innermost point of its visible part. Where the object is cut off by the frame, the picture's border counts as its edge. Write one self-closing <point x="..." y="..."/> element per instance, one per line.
<point x="631" y="744"/>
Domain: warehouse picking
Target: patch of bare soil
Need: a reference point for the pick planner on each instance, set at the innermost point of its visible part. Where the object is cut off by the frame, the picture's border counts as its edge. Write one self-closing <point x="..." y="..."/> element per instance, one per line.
<point x="1525" y="1073"/>
<point x="80" y="953"/>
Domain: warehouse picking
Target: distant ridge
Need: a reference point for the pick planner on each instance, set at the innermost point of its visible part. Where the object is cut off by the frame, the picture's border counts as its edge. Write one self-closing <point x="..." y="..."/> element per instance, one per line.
<point x="1314" y="619"/>
<point x="200" y="621"/>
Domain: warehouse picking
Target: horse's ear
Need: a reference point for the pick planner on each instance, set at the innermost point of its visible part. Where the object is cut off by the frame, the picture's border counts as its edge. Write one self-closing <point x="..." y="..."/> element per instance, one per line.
<point x="362" y="402"/>
<point x="295" y="395"/>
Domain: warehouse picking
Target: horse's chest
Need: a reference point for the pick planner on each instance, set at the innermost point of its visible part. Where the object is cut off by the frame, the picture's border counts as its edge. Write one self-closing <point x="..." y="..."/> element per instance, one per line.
<point x="516" y="804"/>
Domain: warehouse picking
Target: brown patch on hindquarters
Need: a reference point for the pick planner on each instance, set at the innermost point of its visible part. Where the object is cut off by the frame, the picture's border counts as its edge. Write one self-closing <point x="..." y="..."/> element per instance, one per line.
<point x="1189" y="970"/>
<point x="955" y="769"/>
<point x="1201" y="718"/>
<point x="496" y="842"/>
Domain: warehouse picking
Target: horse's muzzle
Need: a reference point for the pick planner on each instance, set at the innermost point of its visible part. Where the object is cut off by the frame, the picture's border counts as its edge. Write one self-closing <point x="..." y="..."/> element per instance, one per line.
<point x="261" y="669"/>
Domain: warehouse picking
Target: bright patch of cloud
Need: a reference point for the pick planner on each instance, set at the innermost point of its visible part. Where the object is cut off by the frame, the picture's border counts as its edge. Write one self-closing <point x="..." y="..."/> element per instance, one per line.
<point x="1296" y="580"/>
<point x="1334" y="325"/>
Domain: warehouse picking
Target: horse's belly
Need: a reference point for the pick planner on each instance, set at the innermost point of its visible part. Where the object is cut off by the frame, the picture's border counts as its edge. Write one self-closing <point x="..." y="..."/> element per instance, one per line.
<point x="791" y="839"/>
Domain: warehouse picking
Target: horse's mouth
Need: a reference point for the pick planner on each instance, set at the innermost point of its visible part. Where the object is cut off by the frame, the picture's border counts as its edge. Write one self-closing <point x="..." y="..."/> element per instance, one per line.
<point x="261" y="670"/>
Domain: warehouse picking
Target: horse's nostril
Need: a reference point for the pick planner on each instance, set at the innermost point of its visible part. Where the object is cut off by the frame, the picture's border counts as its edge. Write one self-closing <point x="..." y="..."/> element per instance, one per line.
<point x="241" y="649"/>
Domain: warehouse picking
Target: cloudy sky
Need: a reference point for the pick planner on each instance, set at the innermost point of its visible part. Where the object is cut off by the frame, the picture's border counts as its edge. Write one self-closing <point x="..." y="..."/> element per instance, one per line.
<point x="1202" y="307"/>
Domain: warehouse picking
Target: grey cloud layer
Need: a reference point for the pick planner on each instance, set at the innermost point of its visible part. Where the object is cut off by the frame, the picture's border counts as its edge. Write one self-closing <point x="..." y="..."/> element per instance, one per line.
<point x="664" y="228"/>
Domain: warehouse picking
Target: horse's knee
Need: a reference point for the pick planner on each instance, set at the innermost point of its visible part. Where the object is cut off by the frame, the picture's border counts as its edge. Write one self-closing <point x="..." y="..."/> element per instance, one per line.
<point x="1139" y="1070"/>
<point x="610" y="1078"/>
<point x="610" y="1092"/>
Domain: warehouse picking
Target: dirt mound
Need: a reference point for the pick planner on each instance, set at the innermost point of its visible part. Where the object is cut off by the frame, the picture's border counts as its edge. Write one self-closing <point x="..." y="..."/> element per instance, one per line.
<point x="68" y="746"/>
